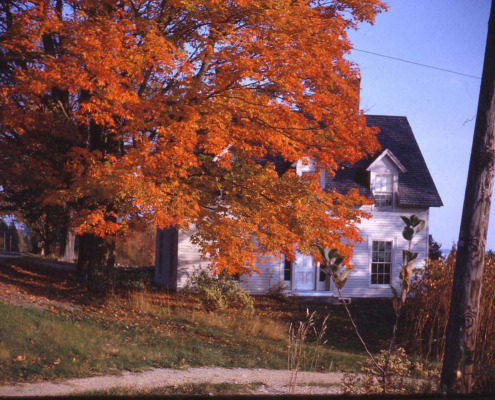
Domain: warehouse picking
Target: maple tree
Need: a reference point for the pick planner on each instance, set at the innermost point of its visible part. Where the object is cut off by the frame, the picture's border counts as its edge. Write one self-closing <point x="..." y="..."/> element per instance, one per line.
<point x="173" y="112"/>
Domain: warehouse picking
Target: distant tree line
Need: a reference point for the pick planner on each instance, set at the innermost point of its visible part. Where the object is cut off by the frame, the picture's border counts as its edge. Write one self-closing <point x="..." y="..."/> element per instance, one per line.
<point x="11" y="239"/>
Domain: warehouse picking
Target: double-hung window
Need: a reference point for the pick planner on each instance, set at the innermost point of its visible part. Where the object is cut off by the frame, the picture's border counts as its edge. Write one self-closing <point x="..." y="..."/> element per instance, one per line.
<point x="383" y="193"/>
<point x="381" y="263"/>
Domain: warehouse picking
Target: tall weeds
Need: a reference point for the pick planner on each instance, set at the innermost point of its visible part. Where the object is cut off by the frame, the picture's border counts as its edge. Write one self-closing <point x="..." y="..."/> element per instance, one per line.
<point x="427" y="313"/>
<point x="302" y="354"/>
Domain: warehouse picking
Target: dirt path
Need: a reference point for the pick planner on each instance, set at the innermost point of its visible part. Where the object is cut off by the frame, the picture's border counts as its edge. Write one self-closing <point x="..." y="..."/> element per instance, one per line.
<point x="275" y="381"/>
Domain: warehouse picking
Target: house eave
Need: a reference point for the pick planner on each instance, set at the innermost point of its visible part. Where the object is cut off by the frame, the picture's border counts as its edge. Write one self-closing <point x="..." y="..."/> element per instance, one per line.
<point x="419" y="204"/>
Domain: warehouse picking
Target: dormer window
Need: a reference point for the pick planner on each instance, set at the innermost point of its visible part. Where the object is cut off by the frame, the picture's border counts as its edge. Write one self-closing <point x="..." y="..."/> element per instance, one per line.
<point x="384" y="179"/>
<point x="384" y="191"/>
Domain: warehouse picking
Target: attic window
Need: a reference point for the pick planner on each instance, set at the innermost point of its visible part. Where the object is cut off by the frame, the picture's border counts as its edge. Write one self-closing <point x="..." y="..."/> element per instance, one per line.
<point x="383" y="192"/>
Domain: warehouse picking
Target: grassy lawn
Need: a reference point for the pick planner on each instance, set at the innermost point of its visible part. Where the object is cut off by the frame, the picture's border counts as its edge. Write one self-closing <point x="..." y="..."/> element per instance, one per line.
<point x="140" y="329"/>
<point x="42" y="344"/>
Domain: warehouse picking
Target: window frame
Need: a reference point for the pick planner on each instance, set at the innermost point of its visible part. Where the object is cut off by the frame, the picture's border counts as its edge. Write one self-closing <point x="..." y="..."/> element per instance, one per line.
<point x="392" y="263"/>
<point x="381" y="192"/>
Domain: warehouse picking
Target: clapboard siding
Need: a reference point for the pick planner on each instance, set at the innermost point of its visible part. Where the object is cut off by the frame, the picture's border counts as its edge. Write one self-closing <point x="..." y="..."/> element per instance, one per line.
<point x="189" y="258"/>
<point x="384" y="225"/>
<point x="388" y="226"/>
<point x="271" y="274"/>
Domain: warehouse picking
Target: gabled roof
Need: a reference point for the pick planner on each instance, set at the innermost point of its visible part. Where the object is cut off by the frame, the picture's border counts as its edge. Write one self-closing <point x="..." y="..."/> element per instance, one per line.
<point x="416" y="186"/>
<point x="389" y="154"/>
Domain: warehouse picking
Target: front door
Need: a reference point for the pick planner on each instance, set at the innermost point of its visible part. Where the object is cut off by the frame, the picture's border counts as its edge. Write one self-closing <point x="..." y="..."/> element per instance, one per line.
<point x="305" y="272"/>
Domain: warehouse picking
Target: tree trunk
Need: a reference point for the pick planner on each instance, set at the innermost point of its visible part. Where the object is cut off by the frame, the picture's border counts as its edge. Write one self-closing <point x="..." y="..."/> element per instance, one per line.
<point x="46" y="250"/>
<point x="96" y="257"/>
<point x="68" y="247"/>
<point x="464" y="307"/>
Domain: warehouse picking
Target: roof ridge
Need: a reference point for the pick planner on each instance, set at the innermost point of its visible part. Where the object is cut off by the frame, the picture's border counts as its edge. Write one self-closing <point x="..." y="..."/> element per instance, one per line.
<point x="384" y="115"/>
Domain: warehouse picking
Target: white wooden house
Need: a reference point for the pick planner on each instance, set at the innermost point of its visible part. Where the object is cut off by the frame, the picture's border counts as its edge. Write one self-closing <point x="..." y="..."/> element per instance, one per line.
<point x="398" y="180"/>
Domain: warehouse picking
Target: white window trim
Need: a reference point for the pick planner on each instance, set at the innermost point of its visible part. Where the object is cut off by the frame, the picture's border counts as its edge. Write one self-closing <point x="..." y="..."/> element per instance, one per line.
<point x="374" y="191"/>
<point x="388" y="153"/>
<point x="370" y="260"/>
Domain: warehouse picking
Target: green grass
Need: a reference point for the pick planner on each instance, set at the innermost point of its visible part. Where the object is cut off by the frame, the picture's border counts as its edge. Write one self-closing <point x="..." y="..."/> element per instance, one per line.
<point x="137" y="329"/>
<point x="44" y="345"/>
<point x="184" y="389"/>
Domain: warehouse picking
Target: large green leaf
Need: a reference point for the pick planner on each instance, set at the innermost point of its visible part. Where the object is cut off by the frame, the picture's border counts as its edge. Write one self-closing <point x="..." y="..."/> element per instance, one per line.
<point x="322" y="252"/>
<point x="415" y="221"/>
<point x="406" y="220"/>
<point x="334" y="268"/>
<point x="344" y="273"/>
<point x="333" y="254"/>
<point x="421" y="226"/>
<point x="408" y="233"/>
<point x="409" y="255"/>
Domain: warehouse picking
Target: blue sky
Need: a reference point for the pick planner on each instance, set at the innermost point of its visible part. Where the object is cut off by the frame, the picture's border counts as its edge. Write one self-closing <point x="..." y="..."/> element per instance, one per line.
<point x="449" y="34"/>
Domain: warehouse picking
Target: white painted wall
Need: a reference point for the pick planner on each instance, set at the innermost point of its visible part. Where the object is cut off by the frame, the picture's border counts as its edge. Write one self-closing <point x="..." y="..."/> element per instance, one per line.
<point x="189" y="258"/>
<point x="384" y="225"/>
<point x="271" y="273"/>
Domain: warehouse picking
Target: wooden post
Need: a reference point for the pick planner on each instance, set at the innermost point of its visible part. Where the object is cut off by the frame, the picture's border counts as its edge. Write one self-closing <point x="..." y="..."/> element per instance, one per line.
<point x="458" y="365"/>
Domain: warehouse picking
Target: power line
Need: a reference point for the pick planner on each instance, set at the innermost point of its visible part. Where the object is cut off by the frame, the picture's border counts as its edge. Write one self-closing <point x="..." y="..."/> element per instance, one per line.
<point x="416" y="63"/>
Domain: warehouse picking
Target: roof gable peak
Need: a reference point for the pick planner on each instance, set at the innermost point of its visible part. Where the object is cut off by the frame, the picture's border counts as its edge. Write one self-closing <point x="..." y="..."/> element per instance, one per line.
<point x="388" y="153"/>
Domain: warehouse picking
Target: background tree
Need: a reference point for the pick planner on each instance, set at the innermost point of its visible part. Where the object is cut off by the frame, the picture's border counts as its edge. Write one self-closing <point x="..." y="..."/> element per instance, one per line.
<point x="434" y="249"/>
<point x="9" y="236"/>
<point x="172" y="112"/>
<point x="136" y="247"/>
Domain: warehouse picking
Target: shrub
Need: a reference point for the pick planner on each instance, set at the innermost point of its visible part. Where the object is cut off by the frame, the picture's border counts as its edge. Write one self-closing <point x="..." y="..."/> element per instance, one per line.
<point x="278" y="292"/>
<point x="217" y="292"/>
<point x="398" y="369"/>
<point x="399" y="374"/>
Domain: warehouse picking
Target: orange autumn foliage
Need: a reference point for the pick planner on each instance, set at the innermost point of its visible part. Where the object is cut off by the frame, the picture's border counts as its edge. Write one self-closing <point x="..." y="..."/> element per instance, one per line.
<point x="172" y="112"/>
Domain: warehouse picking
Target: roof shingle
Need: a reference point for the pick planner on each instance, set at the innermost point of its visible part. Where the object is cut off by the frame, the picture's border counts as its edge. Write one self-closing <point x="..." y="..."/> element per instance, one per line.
<point x="416" y="186"/>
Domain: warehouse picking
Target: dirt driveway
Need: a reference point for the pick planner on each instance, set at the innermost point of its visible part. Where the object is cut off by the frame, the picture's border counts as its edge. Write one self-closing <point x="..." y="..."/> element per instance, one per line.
<point x="274" y="381"/>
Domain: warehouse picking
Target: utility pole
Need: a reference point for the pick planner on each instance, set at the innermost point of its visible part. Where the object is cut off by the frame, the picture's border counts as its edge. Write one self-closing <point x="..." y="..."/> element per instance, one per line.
<point x="460" y="346"/>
